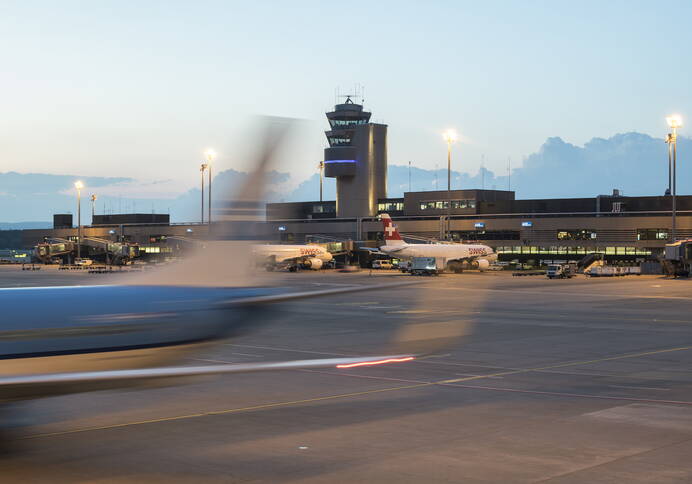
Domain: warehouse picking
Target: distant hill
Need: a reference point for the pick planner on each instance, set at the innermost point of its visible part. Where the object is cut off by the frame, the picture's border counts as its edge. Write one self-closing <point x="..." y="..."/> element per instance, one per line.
<point x="25" y="225"/>
<point x="635" y="163"/>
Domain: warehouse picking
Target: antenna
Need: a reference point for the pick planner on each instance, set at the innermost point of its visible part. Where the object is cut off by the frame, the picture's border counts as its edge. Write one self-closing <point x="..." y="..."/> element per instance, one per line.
<point x="509" y="173"/>
<point x="409" y="176"/>
<point x="483" y="172"/>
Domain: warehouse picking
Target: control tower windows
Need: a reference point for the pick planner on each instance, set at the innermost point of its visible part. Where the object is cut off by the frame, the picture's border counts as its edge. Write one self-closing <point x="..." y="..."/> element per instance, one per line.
<point x="344" y="123"/>
<point x="339" y="141"/>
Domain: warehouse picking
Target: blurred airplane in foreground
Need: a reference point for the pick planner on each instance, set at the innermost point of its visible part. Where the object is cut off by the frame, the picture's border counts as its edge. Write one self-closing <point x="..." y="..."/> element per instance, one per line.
<point x="60" y="340"/>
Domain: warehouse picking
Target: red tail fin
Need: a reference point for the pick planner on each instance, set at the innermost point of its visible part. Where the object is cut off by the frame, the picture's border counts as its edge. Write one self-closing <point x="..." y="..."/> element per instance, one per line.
<point x="391" y="233"/>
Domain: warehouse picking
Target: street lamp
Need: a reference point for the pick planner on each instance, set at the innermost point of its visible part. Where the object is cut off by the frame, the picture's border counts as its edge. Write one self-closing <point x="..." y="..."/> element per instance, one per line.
<point x="674" y="121"/>
<point x="210" y="155"/>
<point x="450" y="136"/>
<point x="320" y="166"/>
<point x="202" y="168"/>
<point x="93" y="206"/>
<point x="79" y="185"/>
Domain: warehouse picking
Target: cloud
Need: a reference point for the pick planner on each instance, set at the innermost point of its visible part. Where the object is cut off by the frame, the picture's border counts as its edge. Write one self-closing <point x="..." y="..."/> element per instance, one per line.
<point x="635" y="163"/>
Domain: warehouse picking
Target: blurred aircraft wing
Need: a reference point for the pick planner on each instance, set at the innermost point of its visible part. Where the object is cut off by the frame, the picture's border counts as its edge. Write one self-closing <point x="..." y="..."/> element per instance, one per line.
<point x="34" y="386"/>
<point x="294" y="296"/>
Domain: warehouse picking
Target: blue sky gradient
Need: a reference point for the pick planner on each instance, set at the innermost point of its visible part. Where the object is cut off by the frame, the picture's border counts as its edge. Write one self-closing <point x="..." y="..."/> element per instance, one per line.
<point x="140" y="89"/>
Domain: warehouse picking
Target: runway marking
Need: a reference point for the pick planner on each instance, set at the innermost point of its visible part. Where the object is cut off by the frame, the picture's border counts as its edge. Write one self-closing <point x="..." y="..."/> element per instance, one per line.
<point x="574" y="363"/>
<point x="511" y="390"/>
<point x="520" y="291"/>
<point x="452" y="382"/>
<point x="640" y="388"/>
<point x="429" y="360"/>
<point x="225" y="412"/>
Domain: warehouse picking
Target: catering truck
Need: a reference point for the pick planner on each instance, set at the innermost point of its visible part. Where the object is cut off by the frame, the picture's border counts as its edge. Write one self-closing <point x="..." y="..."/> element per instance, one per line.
<point x="677" y="260"/>
<point x="561" y="271"/>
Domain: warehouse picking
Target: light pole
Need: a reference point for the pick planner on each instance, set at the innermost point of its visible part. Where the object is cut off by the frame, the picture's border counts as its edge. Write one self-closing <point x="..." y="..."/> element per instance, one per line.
<point x="79" y="185"/>
<point x="202" y="168"/>
<point x="669" y="139"/>
<point x="93" y="206"/>
<point x="210" y="155"/>
<point x="321" y="168"/>
<point x="674" y="121"/>
<point x="450" y="136"/>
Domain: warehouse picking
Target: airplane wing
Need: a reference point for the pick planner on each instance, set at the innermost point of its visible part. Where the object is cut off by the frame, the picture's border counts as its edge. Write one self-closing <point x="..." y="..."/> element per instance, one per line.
<point x="294" y="296"/>
<point x="34" y="386"/>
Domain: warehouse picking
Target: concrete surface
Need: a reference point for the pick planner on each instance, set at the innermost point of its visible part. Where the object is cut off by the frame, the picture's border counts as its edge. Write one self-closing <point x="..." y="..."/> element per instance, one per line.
<point x="560" y="381"/>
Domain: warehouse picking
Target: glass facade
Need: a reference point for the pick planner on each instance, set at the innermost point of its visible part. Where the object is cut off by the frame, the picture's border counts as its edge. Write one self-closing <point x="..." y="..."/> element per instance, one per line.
<point x="390" y="206"/>
<point x="555" y="250"/>
<point x="486" y="235"/>
<point x="652" y="234"/>
<point x="323" y="208"/>
<point x="576" y="234"/>
<point x="443" y="204"/>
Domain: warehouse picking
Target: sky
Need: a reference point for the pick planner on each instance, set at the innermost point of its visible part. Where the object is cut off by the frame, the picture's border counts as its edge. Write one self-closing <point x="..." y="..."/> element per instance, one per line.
<point x="141" y="89"/>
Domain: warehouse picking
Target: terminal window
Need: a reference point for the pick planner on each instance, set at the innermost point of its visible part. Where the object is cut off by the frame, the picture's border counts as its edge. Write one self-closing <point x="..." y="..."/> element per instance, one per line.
<point x="318" y="208"/>
<point x="390" y="207"/>
<point x="486" y="235"/>
<point x="442" y="204"/>
<point x="576" y="234"/>
<point x="558" y="250"/>
<point x="652" y="234"/>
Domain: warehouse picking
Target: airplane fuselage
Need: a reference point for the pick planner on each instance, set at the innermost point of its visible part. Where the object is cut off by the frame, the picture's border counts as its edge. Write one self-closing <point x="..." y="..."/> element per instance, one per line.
<point x="450" y="252"/>
<point x="283" y="253"/>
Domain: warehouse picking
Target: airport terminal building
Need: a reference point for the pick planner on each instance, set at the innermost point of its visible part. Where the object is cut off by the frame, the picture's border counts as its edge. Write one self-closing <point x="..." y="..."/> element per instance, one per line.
<point x="620" y="227"/>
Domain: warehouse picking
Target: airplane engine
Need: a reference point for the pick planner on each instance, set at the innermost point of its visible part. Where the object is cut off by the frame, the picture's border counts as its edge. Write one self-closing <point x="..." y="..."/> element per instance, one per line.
<point x="313" y="263"/>
<point x="483" y="264"/>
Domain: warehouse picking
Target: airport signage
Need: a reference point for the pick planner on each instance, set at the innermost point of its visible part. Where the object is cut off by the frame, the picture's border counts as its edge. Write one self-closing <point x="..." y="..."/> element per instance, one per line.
<point x="479" y="225"/>
<point x="527" y="224"/>
<point x="282" y="228"/>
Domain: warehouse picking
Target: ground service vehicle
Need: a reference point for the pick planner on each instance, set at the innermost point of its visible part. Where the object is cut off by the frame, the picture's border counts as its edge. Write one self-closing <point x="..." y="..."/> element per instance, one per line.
<point x="425" y="266"/>
<point x="677" y="260"/>
<point x="561" y="271"/>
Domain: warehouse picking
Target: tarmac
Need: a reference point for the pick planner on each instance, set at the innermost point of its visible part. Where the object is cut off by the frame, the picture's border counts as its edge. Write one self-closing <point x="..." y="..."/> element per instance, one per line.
<point x="560" y="381"/>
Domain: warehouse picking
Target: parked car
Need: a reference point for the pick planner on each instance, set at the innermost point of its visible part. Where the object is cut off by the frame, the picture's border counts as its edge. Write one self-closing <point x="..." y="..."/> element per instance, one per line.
<point x="381" y="264"/>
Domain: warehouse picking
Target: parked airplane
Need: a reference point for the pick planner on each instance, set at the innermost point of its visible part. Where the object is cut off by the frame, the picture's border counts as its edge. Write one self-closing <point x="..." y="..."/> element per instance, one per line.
<point x="292" y="257"/>
<point x="456" y="256"/>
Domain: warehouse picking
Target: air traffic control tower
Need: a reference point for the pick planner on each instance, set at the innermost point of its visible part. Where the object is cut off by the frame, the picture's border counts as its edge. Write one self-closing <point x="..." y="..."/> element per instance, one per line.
<point x="357" y="158"/>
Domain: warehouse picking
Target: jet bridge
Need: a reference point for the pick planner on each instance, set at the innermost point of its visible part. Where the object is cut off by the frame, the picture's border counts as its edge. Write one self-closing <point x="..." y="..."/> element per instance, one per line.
<point x="118" y="253"/>
<point x="54" y="248"/>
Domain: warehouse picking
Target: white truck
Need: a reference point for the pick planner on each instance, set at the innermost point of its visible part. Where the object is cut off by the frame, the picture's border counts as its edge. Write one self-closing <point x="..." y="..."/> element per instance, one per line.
<point x="561" y="271"/>
<point x="426" y="266"/>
